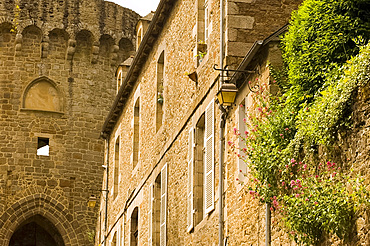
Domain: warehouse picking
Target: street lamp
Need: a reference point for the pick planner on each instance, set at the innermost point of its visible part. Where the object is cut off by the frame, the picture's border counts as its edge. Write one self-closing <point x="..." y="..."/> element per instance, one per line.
<point x="227" y="93"/>
<point x="92" y="200"/>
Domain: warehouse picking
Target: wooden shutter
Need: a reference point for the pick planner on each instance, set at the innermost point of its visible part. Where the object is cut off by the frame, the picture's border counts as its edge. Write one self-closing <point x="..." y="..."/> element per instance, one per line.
<point x="209" y="166"/>
<point x="150" y="214"/>
<point x="191" y="181"/>
<point x="163" y="211"/>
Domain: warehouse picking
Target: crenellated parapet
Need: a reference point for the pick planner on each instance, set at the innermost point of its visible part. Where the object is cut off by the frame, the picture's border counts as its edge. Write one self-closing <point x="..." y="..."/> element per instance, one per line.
<point x="100" y="23"/>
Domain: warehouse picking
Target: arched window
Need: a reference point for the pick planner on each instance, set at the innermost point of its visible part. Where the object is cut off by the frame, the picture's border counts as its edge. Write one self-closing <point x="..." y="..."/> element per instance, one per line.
<point x="119" y="80"/>
<point x="134" y="235"/>
<point x="160" y="91"/>
<point x="116" y="168"/>
<point x="139" y="37"/>
<point x="42" y="94"/>
<point x="136" y="137"/>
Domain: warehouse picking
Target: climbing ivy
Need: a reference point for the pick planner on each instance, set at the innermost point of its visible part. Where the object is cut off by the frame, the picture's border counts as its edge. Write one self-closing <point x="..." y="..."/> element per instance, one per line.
<point x="326" y="59"/>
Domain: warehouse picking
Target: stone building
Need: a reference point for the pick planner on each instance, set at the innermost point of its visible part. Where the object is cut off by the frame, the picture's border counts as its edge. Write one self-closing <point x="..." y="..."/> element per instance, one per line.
<point x="57" y="63"/>
<point x="161" y="180"/>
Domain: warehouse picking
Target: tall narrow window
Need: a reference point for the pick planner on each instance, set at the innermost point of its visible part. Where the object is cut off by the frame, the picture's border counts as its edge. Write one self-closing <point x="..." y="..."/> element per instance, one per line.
<point x="206" y="20"/>
<point x="196" y="202"/>
<point x="139" y="37"/>
<point x="136" y="132"/>
<point x="203" y="30"/>
<point x="116" y="169"/>
<point x="160" y="91"/>
<point x="134" y="235"/>
<point x="119" y="80"/>
<point x="114" y="240"/>
<point x="156" y="211"/>
<point x="242" y="166"/>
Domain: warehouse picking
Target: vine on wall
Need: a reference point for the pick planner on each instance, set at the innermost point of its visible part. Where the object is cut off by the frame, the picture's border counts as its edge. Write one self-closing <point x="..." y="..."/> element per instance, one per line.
<point x="326" y="61"/>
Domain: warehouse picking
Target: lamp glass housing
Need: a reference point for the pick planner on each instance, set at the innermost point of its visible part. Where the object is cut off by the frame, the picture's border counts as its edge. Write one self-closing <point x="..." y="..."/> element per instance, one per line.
<point x="227" y="93"/>
<point x="92" y="201"/>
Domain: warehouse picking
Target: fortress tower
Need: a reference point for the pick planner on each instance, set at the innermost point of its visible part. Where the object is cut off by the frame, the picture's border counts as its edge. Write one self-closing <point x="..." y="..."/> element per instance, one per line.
<point x="57" y="64"/>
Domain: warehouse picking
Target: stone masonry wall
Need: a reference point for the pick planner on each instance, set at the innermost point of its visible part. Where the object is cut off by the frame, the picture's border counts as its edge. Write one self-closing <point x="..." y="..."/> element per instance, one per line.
<point x="75" y="47"/>
<point x="184" y="103"/>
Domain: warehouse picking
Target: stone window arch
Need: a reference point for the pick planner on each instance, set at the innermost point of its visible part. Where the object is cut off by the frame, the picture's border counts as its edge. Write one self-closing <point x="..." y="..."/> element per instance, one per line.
<point x="42" y="94"/>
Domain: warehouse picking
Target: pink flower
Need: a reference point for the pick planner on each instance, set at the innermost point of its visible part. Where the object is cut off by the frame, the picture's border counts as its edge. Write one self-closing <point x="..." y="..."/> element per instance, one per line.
<point x="316" y="203"/>
<point x="297" y="195"/>
<point x="304" y="166"/>
<point x="286" y="166"/>
<point x="307" y="199"/>
<point x="283" y="183"/>
<point x="235" y="130"/>
<point x="292" y="160"/>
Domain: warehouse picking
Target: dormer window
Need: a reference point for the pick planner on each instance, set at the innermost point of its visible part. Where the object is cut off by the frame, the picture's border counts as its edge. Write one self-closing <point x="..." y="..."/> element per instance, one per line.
<point x="119" y="80"/>
<point x="139" y="37"/>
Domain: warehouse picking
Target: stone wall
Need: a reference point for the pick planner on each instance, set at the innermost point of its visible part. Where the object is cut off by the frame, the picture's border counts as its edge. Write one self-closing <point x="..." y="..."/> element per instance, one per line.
<point x="56" y="83"/>
<point x="185" y="101"/>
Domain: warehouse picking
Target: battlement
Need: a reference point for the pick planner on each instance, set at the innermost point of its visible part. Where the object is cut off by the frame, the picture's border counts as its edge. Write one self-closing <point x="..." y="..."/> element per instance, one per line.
<point x="93" y="27"/>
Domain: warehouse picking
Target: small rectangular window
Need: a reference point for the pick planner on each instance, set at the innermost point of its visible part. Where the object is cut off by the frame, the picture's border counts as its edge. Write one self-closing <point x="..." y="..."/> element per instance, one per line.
<point x="43" y="146"/>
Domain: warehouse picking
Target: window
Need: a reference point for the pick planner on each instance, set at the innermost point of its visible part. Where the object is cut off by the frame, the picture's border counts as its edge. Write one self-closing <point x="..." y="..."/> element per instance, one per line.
<point x="158" y="210"/>
<point x="136" y="132"/>
<point x="201" y="168"/>
<point x="139" y="37"/>
<point x="114" y="240"/>
<point x="134" y="235"/>
<point x="160" y="91"/>
<point x="119" y="80"/>
<point x="206" y="21"/>
<point x="43" y="146"/>
<point x="241" y="114"/>
<point x="116" y="169"/>
<point x="203" y="30"/>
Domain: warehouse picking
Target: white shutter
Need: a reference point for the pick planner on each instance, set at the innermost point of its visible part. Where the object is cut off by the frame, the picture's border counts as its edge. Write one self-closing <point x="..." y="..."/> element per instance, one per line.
<point x="163" y="211"/>
<point x="150" y="213"/>
<point x="191" y="181"/>
<point x="122" y="238"/>
<point x="209" y="182"/>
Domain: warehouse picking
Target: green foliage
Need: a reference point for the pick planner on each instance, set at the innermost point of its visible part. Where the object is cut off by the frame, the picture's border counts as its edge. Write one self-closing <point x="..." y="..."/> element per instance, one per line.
<point x="325" y="65"/>
<point x="323" y="35"/>
<point x="313" y="199"/>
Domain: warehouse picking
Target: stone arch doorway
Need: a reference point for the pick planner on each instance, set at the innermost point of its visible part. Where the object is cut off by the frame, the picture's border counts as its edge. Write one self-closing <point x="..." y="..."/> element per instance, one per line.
<point x="36" y="231"/>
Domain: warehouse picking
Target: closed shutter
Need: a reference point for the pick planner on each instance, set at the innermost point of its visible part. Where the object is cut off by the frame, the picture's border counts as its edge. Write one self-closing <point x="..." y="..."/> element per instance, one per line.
<point x="163" y="211"/>
<point x="209" y="166"/>
<point x="150" y="213"/>
<point x="191" y="181"/>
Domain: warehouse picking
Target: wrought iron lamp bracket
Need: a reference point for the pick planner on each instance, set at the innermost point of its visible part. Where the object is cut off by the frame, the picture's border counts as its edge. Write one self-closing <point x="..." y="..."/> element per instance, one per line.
<point x="227" y="75"/>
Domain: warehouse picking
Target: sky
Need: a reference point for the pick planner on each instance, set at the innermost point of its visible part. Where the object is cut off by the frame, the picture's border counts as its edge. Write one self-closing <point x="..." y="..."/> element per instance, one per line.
<point x="142" y="7"/>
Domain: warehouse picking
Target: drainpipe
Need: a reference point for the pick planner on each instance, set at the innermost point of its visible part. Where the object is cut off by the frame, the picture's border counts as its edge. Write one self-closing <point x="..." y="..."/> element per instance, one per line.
<point x="268" y="225"/>
<point x="221" y="38"/>
<point x="221" y="177"/>
<point x="222" y="127"/>
<point x="106" y="192"/>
